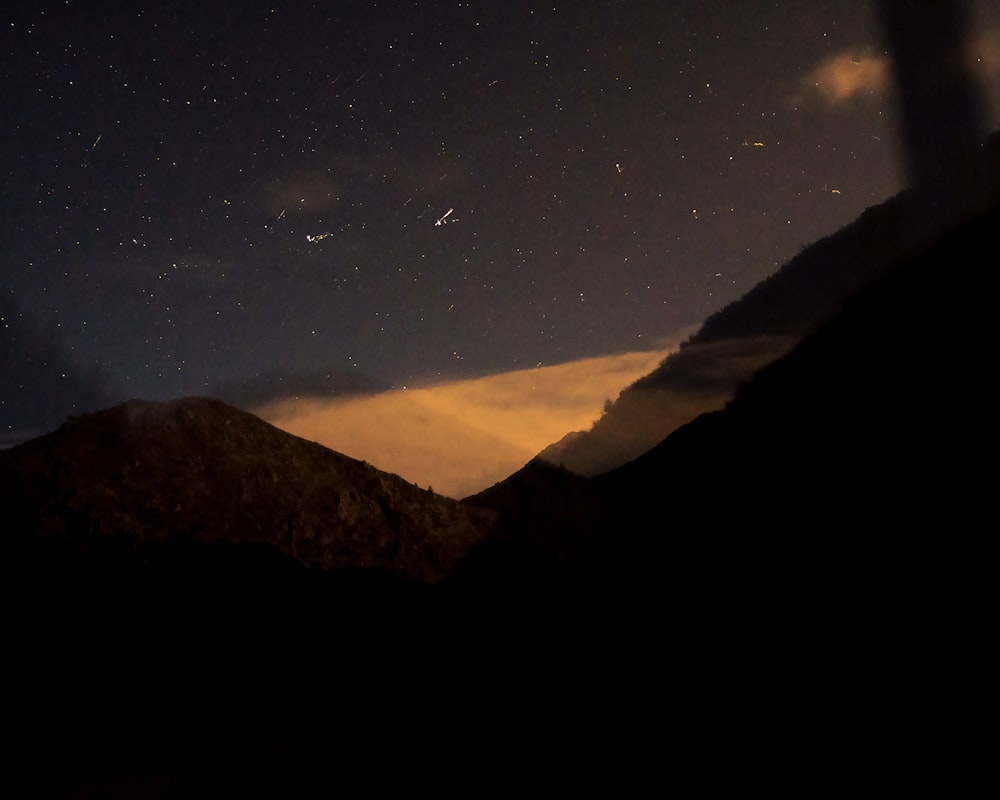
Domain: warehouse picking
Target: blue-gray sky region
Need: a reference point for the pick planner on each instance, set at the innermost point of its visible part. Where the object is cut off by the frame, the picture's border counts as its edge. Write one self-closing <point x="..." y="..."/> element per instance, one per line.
<point x="200" y="193"/>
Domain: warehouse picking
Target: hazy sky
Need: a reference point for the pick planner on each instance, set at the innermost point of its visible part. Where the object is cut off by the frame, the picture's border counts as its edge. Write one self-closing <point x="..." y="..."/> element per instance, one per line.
<point x="198" y="193"/>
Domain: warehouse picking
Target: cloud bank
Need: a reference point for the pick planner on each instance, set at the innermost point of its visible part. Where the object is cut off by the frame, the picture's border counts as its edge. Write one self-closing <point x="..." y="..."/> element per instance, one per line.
<point x="464" y="436"/>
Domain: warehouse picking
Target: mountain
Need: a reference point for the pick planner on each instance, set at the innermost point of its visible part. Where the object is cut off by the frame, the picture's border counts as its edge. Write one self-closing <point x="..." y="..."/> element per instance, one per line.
<point x="144" y="473"/>
<point x="774" y="316"/>
<point x="834" y="515"/>
<point x="871" y="429"/>
<point x="807" y="570"/>
<point x="188" y="586"/>
<point x="827" y="463"/>
<point x="861" y="438"/>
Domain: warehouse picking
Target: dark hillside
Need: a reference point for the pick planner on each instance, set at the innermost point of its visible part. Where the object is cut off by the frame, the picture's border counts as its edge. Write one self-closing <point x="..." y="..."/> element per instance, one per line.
<point x="771" y="318"/>
<point x="143" y="473"/>
<point x="856" y="460"/>
<point x="190" y="587"/>
<point x="810" y="564"/>
<point x="870" y="425"/>
<point x="875" y="419"/>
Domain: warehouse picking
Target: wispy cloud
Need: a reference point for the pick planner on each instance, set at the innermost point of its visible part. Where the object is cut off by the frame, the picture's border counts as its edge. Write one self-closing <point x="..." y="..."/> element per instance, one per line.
<point x="845" y="76"/>
<point x="985" y="60"/>
<point x="865" y="74"/>
<point x="464" y="436"/>
<point x="302" y="192"/>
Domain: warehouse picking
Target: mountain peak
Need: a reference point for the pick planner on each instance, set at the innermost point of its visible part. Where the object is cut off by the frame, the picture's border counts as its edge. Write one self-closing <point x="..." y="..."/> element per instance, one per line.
<point x="144" y="472"/>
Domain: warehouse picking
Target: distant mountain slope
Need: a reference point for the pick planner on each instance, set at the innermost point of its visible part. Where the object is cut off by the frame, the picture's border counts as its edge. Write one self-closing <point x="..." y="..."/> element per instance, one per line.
<point x="190" y="587"/>
<point x="854" y="460"/>
<point x="770" y="320"/>
<point x="200" y="470"/>
<point x="871" y="431"/>
<point x="820" y="551"/>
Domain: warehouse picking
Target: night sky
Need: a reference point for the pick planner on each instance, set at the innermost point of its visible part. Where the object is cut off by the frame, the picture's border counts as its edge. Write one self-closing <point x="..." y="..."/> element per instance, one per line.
<point x="196" y="194"/>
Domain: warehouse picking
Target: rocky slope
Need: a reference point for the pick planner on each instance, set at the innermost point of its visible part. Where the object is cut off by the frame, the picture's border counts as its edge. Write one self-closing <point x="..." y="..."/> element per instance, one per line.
<point x="144" y="473"/>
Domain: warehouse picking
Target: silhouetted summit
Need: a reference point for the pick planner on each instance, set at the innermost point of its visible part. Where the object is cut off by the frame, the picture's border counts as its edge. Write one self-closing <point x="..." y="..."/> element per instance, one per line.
<point x="776" y="314"/>
<point x="143" y="472"/>
<point x="844" y="476"/>
<point x="869" y="434"/>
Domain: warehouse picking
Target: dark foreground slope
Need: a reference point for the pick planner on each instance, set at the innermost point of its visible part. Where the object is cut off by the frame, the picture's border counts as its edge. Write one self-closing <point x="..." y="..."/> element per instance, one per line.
<point x="867" y="444"/>
<point x="201" y="605"/>
<point x="189" y="587"/>
<point x="774" y="316"/>
<point x="864" y="447"/>
<point x="812" y="561"/>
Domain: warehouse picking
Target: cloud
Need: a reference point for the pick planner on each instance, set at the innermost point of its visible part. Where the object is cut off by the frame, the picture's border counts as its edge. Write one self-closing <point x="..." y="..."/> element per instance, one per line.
<point x="864" y="74"/>
<point x="987" y="52"/>
<point x="464" y="436"/>
<point x="845" y="76"/>
<point x="302" y="192"/>
<point x="985" y="64"/>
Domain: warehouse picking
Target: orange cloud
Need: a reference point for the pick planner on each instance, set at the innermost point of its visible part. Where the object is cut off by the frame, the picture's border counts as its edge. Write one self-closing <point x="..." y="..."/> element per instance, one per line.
<point x="984" y="60"/>
<point x="844" y="76"/>
<point x="464" y="436"/>
<point x="861" y="74"/>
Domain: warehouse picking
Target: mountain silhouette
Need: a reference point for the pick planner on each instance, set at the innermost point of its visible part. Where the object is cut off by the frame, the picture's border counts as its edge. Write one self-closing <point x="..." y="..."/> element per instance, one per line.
<point x="193" y="583"/>
<point x="866" y="424"/>
<point x="809" y="563"/>
<point x="775" y="316"/>
<point x="143" y="473"/>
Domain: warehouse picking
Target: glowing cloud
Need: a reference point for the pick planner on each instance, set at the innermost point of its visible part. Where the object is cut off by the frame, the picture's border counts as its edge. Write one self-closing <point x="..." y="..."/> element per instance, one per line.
<point x="844" y="76"/>
<point x="863" y="74"/>
<point x="464" y="436"/>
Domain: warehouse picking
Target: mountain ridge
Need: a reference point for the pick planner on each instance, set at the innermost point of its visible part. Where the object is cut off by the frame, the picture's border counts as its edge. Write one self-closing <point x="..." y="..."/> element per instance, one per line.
<point x="858" y="440"/>
<point x="776" y="314"/>
<point x="147" y="471"/>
